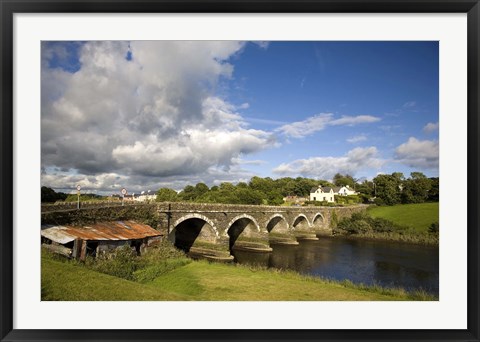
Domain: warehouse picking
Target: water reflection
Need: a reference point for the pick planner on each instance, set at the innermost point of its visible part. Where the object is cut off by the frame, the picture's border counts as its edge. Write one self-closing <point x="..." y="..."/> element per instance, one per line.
<point x="361" y="261"/>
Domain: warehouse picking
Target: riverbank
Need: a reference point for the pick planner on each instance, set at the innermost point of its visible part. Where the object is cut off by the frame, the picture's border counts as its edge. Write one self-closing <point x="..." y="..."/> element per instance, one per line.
<point x="180" y="279"/>
<point x="401" y="237"/>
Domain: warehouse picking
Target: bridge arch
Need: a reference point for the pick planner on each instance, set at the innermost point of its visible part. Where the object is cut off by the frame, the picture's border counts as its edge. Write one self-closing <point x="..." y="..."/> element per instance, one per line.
<point x="301" y="222"/>
<point x="244" y="226"/>
<point x="318" y="220"/>
<point x="193" y="228"/>
<point x="277" y="222"/>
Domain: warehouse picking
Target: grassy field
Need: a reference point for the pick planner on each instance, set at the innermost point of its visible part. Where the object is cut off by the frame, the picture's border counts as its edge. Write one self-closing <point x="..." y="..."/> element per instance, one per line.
<point x="204" y="281"/>
<point x="67" y="281"/>
<point x="418" y="216"/>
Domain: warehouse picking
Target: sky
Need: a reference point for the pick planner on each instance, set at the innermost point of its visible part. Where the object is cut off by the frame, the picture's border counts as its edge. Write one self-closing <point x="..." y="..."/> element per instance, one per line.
<point x="143" y="115"/>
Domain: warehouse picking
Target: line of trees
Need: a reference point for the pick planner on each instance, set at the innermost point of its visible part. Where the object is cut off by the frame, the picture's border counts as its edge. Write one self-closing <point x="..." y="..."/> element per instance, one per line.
<point x="48" y="195"/>
<point x="395" y="188"/>
<point x="258" y="190"/>
<point x="383" y="190"/>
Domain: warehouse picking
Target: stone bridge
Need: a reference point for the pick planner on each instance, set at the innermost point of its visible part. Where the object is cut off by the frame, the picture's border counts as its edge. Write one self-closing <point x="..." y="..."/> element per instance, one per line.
<point x="249" y="227"/>
<point x="218" y="228"/>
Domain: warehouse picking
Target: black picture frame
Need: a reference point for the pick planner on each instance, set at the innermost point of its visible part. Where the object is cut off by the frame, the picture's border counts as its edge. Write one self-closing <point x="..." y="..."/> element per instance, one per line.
<point x="10" y="7"/>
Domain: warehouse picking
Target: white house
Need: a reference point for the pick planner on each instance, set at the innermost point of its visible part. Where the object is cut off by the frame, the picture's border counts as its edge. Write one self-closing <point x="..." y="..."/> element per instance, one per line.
<point x="324" y="193"/>
<point x="146" y="196"/>
<point x="345" y="191"/>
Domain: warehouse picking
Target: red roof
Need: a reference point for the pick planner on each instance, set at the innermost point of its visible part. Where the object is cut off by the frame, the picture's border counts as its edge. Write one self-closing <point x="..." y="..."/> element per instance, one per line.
<point x="118" y="230"/>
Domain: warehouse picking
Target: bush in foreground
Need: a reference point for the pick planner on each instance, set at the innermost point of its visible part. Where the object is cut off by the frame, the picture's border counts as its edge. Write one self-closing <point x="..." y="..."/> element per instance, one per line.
<point x="124" y="262"/>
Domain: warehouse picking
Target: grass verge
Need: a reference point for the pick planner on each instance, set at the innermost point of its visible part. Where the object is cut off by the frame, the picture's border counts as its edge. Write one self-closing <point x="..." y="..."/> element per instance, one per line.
<point x="202" y="281"/>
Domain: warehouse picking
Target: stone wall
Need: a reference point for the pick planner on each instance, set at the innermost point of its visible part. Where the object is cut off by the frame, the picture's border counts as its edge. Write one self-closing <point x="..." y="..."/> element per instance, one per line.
<point x="48" y="207"/>
<point x="142" y="213"/>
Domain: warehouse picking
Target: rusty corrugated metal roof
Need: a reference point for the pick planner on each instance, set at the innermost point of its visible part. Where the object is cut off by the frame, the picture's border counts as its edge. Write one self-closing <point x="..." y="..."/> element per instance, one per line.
<point x="118" y="230"/>
<point x="57" y="234"/>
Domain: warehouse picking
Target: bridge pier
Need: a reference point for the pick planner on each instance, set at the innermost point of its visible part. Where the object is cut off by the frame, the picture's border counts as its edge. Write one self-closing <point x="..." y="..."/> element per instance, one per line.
<point x="306" y="236"/>
<point x="282" y="239"/>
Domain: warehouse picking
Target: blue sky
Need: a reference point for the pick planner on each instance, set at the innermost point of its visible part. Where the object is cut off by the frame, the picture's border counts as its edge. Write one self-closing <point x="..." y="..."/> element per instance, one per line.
<point x="145" y="115"/>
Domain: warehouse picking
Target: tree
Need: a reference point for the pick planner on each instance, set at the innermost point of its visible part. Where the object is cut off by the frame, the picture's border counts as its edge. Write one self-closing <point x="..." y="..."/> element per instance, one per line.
<point x="188" y="193"/>
<point x="200" y="190"/>
<point x="304" y="185"/>
<point x="48" y="195"/>
<point x="166" y="195"/>
<point x="416" y="188"/>
<point x="341" y="180"/>
<point x="387" y="188"/>
<point x="434" y="193"/>
<point x="242" y="185"/>
<point x="365" y="188"/>
<point x="274" y="197"/>
<point x="248" y="196"/>
<point x="226" y="186"/>
<point x="261" y="184"/>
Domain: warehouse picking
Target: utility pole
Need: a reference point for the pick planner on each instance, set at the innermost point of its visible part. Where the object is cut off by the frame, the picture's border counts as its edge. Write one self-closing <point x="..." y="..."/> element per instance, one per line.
<point x="78" y="196"/>
<point x="169" y="216"/>
<point x="124" y="192"/>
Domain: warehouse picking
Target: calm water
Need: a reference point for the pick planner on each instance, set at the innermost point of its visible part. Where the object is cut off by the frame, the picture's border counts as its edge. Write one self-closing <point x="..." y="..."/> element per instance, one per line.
<point x="369" y="262"/>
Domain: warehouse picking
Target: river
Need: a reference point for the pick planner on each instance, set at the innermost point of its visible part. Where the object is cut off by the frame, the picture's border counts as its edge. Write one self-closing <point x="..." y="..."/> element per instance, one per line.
<point x="389" y="264"/>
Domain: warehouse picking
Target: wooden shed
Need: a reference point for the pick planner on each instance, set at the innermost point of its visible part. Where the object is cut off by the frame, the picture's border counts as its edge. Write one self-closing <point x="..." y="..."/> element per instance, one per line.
<point x="78" y="242"/>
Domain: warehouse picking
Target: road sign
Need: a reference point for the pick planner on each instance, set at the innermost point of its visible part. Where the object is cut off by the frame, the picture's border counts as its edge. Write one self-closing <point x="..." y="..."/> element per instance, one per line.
<point x="79" y="187"/>
<point x="124" y="191"/>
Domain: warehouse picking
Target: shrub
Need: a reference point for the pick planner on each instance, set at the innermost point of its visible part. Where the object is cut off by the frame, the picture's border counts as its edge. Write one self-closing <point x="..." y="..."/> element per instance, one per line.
<point x="434" y="228"/>
<point x="361" y="223"/>
<point x="122" y="263"/>
<point x="359" y="226"/>
<point x="383" y="225"/>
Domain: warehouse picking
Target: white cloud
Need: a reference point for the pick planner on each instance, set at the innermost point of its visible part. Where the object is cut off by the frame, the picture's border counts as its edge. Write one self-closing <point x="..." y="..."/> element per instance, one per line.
<point x="240" y="161"/>
<point x="152" y="116"/>
<point x="409" y="104"/>
<point x="320" y="121"/>
<point x="354" y="120"/>
<point x="192" y="152"/>
<point x="263" y="44"/>
<point x="416" y="153"/>
<point x="431" y="127"/>
<point x="326" y="167"/>
<point x="306" y="127"/>
<point x="108" y="182"/>
<point x="357" y="138"/>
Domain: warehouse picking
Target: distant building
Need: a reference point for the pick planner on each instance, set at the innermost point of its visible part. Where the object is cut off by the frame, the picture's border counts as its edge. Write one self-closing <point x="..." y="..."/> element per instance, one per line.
<point x="78" y="242"/>
<point x="328" y="194"/>
<point x="345" y="191"/>
<point x="146" y="196"/>
<point x="129" y="198"/>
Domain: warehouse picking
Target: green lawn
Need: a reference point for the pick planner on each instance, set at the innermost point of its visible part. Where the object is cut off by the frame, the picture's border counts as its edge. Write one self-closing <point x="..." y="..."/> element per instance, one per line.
<point x="66" y="281"/>
<point x="418" y="216"/>
<point x="203" y="281"/>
